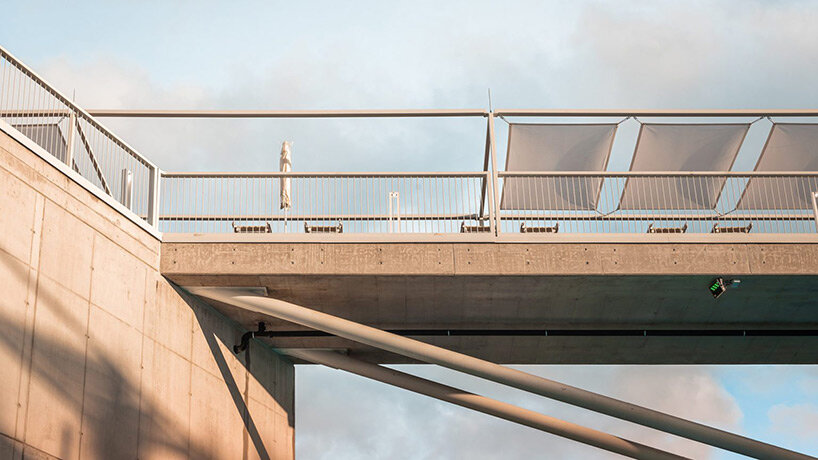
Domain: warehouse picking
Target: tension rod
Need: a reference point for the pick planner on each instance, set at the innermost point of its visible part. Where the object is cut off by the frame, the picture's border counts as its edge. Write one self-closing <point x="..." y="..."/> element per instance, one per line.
<point x="479" y="368"/>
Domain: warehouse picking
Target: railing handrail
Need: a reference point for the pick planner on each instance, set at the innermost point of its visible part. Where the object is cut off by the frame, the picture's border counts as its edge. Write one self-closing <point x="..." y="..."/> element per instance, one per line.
<point x="387" y="113"/>
<point x="658" y="173"/>
<point x="62" y="98"/>
<point x="692" y="113"/>
<point x="226" y="175"/>
<point x="408" y="113"/>
<point x="321" y="217"/>
<point x="249" y="174"/>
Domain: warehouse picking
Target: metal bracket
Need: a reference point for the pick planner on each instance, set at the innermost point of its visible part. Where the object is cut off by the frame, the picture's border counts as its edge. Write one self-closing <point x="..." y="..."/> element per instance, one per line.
<point x="245" y="339"/>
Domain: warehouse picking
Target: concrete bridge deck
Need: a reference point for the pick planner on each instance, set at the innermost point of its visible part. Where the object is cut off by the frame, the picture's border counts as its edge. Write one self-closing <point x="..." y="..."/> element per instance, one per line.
<point x="633" y="299"/>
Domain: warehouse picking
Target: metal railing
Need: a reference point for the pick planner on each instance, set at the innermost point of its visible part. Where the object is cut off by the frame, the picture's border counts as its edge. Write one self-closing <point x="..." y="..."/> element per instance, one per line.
<point x="530" y="202"/>
<point x="324" y="203"/>
<point x="71" y="135"/>
<point x="490" y="202"/>
<point x="660" y="202"/>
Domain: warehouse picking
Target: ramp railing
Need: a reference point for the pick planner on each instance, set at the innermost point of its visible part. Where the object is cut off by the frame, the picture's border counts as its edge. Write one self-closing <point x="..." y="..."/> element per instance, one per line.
<point x="67" y="132"/>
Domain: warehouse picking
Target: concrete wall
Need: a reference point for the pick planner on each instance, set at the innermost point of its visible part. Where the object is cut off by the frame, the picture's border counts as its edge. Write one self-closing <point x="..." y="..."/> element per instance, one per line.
<point x="100" y="356"/>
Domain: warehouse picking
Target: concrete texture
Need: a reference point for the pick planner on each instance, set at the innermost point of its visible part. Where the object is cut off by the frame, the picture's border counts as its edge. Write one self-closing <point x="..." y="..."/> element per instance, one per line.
<point x="489" y="258"/>
<point x="102" y="357"/>
<point x="507" y="287"/>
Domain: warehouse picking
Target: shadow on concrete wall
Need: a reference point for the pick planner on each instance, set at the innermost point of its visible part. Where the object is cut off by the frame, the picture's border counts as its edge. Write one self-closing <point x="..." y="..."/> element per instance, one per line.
<point x="116" y="403"/>
<point x="213" y="336"/>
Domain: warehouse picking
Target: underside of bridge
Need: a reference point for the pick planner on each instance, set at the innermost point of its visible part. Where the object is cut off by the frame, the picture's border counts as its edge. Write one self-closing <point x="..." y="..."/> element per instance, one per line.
<point x="532" y="303"/>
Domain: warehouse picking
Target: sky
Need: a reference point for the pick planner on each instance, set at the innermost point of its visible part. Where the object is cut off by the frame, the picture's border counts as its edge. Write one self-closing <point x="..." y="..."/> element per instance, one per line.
<point x="423" y="54"/>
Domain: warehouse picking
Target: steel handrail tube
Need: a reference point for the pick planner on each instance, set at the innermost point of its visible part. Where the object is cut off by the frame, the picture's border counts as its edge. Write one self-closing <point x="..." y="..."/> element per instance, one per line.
<point x="658" y="174"/>
<point x="703" y="113"/>
<point x="484" y="369"/>
<point x="482" y="404"/>
<point x="389" y="113"/>
<point x="250" y="174"/>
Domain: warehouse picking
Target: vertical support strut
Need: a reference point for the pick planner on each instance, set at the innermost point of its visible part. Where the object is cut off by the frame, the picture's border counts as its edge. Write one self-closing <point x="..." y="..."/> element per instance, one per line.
<point x="154" y="182"/>
<point x="127" y="188"/>
<point x="484" y="187"/>
<point x="69" y="141"/>
<point x="394" y="197"/>
<point x="494" y="176"/>
<point x="815" y="208"/>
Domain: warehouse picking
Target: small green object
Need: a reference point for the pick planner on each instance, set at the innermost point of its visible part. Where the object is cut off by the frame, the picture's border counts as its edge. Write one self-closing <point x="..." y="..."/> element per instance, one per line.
<point x="717" y="287"/>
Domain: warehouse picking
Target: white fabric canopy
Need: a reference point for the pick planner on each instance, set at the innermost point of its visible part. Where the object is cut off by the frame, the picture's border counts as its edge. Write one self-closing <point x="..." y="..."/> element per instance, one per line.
<point x="681" y="147"/>
<point x="556" y="147"/>
<point x="790" y="147"/>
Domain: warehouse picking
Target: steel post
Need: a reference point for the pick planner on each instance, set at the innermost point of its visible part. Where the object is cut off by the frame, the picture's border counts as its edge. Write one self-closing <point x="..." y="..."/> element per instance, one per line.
<point x="154" y="182"/>
<point x="69" y="141"/>
<point x="127" y="188"/>
<point x="815" y="208"/>
<point x="494" y="177"/>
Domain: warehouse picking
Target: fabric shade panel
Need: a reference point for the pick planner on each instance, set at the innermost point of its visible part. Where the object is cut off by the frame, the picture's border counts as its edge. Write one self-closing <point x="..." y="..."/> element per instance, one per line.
<point x="790" y="147"/>
<point x="556" y="147"/>
<point x="681" y="147"/>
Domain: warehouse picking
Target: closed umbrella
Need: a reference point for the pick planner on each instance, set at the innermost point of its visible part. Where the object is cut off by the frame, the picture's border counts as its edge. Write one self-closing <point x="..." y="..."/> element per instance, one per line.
<point x="285" y="165"/>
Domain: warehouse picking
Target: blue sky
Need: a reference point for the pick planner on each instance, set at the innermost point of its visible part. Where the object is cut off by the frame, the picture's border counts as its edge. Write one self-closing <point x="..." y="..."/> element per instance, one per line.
<point x="288" y="55"/>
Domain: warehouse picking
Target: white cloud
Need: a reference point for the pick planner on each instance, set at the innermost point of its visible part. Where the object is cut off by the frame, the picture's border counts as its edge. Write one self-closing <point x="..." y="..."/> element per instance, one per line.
<point x="643" y="54"/>
<point x="809" y="385"/>
<point x="395" y="422"/>
<point x="320" y="145"/>
<point x="798" y="421"/>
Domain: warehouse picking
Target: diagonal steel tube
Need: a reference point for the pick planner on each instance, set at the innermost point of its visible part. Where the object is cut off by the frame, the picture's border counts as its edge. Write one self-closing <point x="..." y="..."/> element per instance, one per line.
<point x="93" y="158"/>
<point x="538" y="385"/>
<point x="482" y="404"/>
